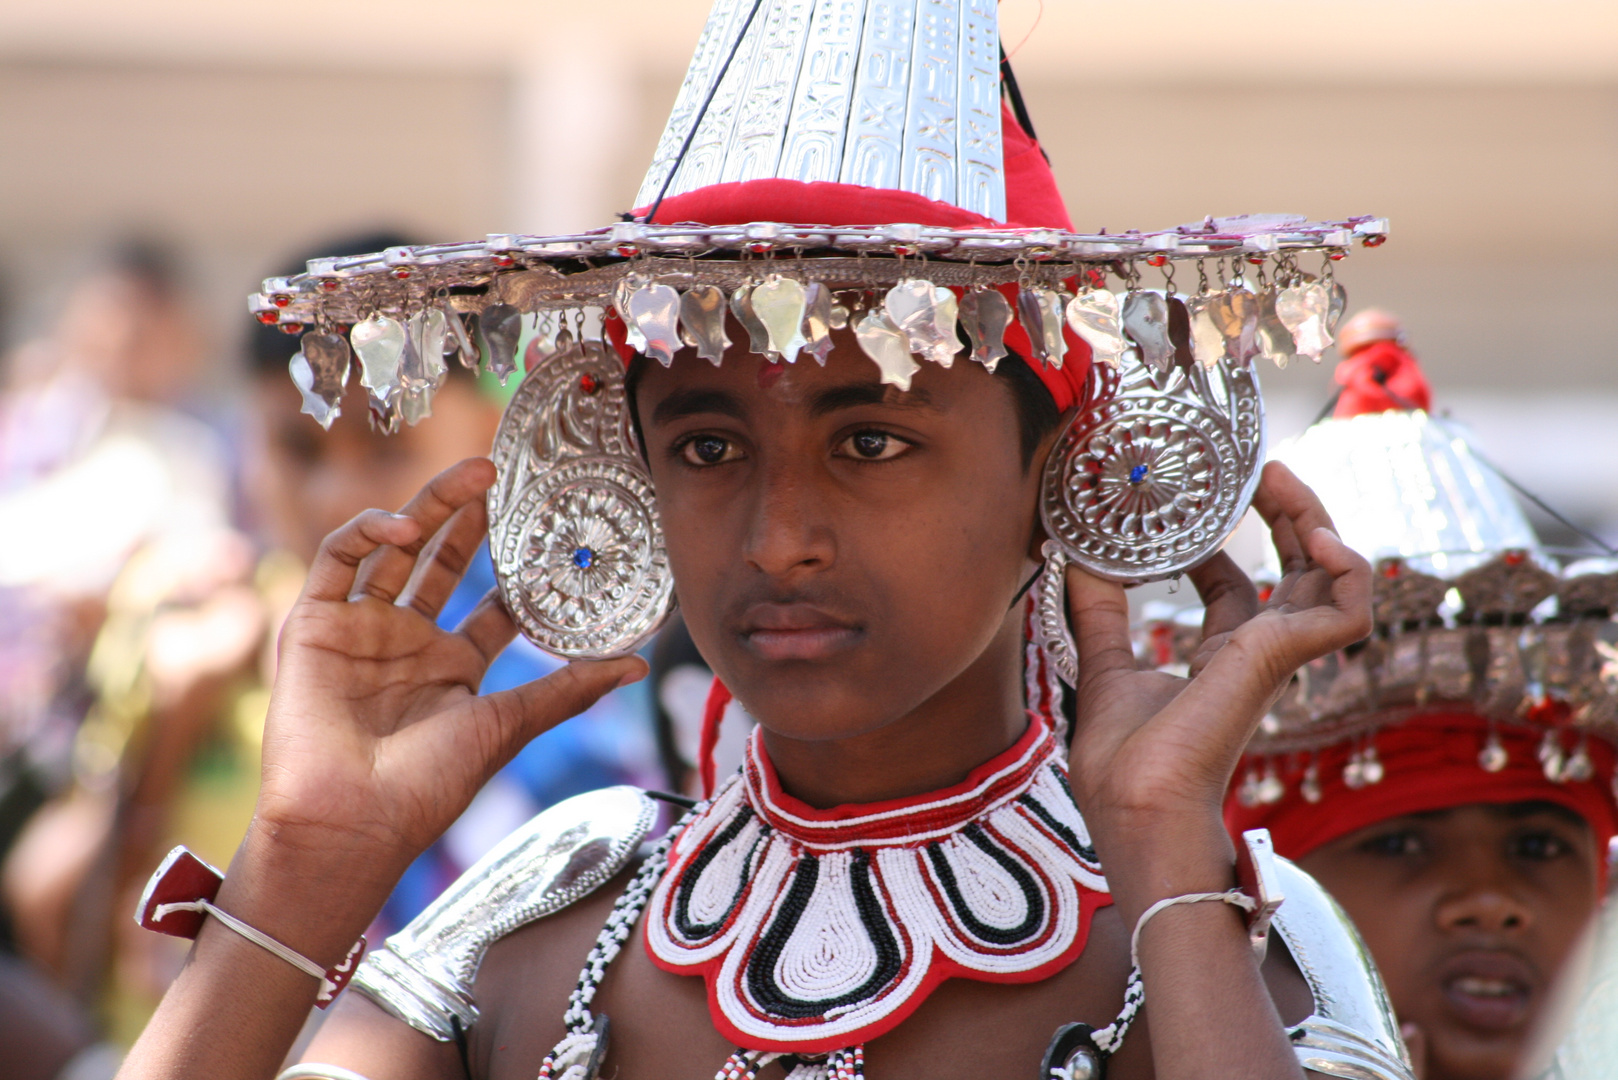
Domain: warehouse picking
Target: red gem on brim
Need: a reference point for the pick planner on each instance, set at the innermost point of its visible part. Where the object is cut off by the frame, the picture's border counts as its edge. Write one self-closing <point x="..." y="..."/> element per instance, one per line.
<point x="1515" y="558"/>
<point x="1375" y="241"/>
<point x="330" y="284"/>
<point x="1337" y="256"/>
<point x="291" y="328"/>
<point x="280" y="299"/>
<point x="269" y="317"/>
<point x="588" y="383"/>
<point x="504" y="261"/>
<point x="401" y="273"/>
<point x="1157" y="260"/>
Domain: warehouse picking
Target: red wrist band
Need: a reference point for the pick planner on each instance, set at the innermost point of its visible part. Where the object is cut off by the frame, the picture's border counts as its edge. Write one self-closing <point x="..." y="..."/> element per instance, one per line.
<point x="180" y="895"/>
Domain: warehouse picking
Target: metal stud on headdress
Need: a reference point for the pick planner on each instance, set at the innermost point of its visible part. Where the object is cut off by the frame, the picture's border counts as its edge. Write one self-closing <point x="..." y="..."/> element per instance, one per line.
<point x="893" y="99"/>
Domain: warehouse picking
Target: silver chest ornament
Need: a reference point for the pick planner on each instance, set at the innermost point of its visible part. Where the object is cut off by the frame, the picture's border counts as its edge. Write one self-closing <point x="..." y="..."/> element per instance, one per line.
<point x="573" y="527"/>
<point x="1150" y="479"/>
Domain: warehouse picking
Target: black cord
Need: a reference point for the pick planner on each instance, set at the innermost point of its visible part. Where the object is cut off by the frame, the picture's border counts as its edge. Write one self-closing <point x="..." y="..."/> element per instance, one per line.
<point x="1022" y="592"/>
<point x="460" y="1044"/>
<point x="702" y="112"/>
<point x="1009" y="82"/>
<point x="1330" y="405"/>
<point x="669" y="797"/>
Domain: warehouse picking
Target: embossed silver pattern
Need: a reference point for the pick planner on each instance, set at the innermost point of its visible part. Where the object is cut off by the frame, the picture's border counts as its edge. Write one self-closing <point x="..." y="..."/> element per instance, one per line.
<point x="573" y="528"/>
<point x="1148" y="482"/>
<point x="424" y="974"/>
<point x="898" y="94"/>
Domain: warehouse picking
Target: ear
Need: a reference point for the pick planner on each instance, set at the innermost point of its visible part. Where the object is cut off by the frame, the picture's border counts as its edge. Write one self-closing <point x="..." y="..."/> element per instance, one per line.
<point x="1038" y="466"/>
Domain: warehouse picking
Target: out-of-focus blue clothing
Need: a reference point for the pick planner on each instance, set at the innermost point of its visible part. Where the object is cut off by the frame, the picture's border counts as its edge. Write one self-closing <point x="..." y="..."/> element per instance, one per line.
<point x="610" y="743"/>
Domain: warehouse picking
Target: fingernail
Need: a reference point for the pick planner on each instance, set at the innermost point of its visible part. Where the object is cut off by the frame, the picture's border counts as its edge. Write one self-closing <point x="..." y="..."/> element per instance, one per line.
<point x="401" y="517"/>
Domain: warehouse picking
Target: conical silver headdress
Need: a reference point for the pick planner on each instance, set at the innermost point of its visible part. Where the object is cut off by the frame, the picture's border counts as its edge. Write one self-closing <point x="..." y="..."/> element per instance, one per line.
<point x="1471" y="613"/>
<point x="897" y="94"/>
<point x="1403" y="485"/>
<point x="898" y="101"/>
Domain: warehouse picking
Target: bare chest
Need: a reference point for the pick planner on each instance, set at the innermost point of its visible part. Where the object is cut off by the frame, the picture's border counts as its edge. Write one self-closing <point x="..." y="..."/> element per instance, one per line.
<point x="660" y="1027"/>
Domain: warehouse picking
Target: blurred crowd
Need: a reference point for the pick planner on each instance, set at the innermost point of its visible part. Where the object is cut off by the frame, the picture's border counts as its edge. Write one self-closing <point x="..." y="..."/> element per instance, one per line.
<point x="153" y="540"/>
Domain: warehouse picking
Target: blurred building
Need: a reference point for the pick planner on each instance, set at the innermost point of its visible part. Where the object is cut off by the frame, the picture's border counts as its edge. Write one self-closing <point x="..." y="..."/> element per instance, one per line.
<point x="1487" y="131"/>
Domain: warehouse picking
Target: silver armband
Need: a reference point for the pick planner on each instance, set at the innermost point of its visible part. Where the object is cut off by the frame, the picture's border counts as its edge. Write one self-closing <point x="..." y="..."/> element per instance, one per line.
<point x="1352" y="1032"/>
<point x="424" y="974"/>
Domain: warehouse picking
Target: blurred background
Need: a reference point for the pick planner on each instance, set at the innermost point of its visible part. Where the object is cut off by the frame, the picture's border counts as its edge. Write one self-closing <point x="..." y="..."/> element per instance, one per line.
<point x="160" y="158"/>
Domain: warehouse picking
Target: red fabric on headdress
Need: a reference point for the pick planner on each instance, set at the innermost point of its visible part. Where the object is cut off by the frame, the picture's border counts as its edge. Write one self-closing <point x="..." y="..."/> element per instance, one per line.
<point x="1430" y="762"/>
<point x="1382" y="377"/>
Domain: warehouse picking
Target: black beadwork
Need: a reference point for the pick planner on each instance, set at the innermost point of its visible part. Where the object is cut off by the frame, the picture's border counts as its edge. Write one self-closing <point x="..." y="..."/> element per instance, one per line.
<point x="1025" y="881"/>
<point x="761" y="983"/>
<point x="688" y="881"/>
<point x="1085" y="852"/>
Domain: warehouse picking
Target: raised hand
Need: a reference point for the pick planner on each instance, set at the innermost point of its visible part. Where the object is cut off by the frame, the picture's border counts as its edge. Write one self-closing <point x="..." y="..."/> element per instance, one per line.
<point x="1149" y="743"/>
<point x="376" y="739"/>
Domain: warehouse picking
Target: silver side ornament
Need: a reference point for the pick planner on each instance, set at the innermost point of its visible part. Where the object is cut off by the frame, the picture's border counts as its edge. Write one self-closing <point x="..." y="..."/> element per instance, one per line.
<point x="573" y="527"/>
<point x="424" y="974"/>
<point x="1150" y="479"/>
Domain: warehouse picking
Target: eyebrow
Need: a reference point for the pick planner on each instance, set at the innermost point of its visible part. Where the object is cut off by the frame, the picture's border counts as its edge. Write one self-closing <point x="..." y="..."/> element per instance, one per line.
<point x="697" y="401"/>
<point x="835" y="398"/>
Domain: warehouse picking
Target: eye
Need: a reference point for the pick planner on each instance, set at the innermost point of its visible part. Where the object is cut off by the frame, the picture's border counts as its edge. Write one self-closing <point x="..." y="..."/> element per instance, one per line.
<point x="708" y="450"/>
<point x="873" y="446"/>
<point x="1538" y="846"/>
<point x="1403" y="843"/>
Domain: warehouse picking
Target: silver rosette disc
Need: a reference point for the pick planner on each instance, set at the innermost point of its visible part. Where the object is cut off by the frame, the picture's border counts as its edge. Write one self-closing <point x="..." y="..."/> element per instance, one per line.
<point x="573" y="525"/>
<point x="1148" y="483"/>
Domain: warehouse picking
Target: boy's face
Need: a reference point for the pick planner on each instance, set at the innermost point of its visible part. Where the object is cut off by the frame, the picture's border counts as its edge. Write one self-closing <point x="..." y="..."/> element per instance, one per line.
<point x="1470" y="913"/>
<point x="842" y="551"/>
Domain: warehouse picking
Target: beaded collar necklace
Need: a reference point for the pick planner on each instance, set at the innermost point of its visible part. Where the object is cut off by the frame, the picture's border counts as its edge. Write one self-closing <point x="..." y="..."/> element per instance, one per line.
<point x="817" y="930"/>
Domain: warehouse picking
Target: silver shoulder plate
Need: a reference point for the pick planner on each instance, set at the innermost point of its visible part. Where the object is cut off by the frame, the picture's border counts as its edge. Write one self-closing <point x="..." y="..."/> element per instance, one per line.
<point x="1352" y="1032"/>
<point x="424" y="973"/>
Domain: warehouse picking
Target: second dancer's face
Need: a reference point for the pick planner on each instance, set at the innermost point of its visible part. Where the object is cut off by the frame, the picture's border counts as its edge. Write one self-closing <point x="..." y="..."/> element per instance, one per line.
<point x="842" y="551"/>
<point x="1471" y="913"/>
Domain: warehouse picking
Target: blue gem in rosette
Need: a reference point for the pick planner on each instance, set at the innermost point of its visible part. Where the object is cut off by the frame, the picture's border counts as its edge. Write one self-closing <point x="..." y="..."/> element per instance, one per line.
<point x="1138" y="473"/>
<point x="584" y="558"/>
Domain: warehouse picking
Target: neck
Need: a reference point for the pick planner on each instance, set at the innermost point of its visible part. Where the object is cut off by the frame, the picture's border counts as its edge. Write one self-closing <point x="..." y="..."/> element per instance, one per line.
<point x="976" y="716"/>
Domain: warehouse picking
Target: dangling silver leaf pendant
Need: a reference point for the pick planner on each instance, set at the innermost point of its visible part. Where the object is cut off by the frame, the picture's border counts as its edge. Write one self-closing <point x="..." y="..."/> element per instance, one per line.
<point x="985" y="315"/>
<point x="702" y="322"/>
<point x="887" y="347"/>
<point x="1094" y="316"/>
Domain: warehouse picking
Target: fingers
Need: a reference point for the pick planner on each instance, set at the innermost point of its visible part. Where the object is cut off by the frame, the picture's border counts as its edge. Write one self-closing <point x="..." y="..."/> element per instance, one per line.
<point x="331" y="575"/>
<point x="1292" y="511"/>
<point x="1229" y="597"/>
<point x="1099" y="615"/>
<point x="489" y="627"/>
<point x="387" y="569"/>
<point x="438" y="571"/>
<point x="534" y="708"/>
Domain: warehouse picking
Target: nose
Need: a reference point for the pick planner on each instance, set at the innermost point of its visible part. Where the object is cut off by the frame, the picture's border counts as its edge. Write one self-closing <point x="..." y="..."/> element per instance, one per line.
<point x="1486" y="907"/>
<point x="788" y="534"/>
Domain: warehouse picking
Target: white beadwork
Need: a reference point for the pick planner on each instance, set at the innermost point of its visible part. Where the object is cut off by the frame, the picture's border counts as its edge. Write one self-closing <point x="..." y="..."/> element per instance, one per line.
<point x="822" y="928"/>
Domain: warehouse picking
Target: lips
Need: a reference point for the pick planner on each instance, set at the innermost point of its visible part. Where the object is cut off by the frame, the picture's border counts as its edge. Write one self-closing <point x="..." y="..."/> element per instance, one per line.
<point x="795" y="631"/>
<point x="1491" y="991"/>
